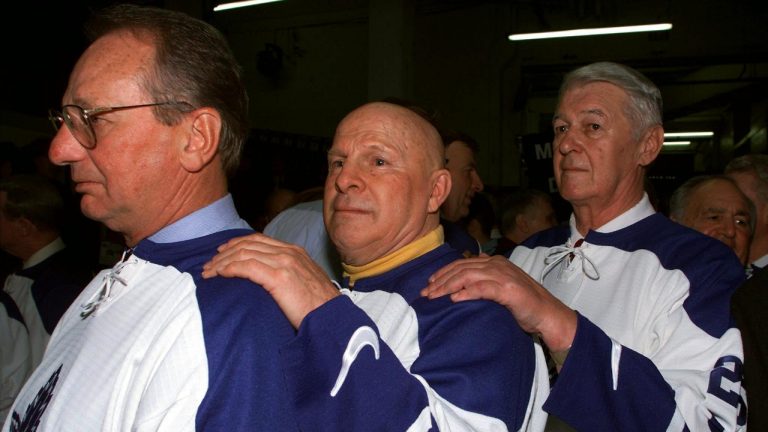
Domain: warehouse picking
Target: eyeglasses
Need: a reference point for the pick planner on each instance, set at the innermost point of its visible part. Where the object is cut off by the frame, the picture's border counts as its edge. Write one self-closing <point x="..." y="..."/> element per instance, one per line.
<point x="78" y="119"/>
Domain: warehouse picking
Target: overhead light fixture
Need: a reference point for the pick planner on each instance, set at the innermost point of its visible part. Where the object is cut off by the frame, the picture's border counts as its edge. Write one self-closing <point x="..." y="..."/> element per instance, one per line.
<point x="239" y="4"/>
<point x="702" y="134"/>
<point x="590" y="32"/>
<point x="676" y="143"/>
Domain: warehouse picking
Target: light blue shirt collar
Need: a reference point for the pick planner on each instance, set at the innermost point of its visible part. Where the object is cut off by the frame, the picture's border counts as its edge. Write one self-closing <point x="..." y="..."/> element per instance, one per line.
<point x="219" y="216"/>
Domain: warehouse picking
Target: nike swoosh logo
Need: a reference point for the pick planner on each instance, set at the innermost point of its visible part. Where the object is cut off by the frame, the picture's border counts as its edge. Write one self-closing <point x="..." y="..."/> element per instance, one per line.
<point x="360" y="338"/>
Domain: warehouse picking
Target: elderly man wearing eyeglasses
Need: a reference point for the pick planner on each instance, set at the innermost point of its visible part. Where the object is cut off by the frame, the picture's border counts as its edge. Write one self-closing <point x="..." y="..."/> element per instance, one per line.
<point x="153" y="119"/>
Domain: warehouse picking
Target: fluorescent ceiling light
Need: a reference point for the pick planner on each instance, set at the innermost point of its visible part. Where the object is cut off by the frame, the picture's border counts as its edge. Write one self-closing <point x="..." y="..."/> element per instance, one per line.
<point x="239" y="4"/>
<point x="590" y="32"/>
<point x="676" y="143"/>
<point x="688" y="134"/>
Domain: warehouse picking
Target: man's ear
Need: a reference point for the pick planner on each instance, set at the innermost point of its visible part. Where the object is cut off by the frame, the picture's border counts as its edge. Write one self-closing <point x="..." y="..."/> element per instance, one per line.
<point x="651" y="144"/>
<point x="441" y="186"/>
<point x="202" y="140"/>
<point x="23" y="226"/>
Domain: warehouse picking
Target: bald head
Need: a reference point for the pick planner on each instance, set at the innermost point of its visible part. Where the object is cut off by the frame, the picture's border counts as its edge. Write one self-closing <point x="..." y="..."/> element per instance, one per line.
<point x="385" y="183"/>
<point x="415" y="133"/>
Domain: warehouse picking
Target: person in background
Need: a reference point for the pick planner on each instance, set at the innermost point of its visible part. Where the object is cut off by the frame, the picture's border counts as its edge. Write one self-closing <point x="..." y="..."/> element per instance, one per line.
<point x="377" y="356"/>
<point x="715" y="206"/>
<point x="277" y="200"/>
<point x="460" y="161"/>
<point x="153" y="120"/>
<point x="9" y="155"/>
<point x="750" y="172"/>
<point x="524" y="212"/>
<point x="15" y="364"/>
<point x="749" y="304"/>
<point x="750" y="301"/>
<point x="52" y="275"/>
<point x="303" y="225"/>
<point x="632" y="307"/>
<point x="480" y="222"/>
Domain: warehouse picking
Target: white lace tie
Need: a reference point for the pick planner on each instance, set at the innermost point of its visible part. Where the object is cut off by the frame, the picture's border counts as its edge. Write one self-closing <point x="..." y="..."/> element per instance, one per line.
<point x="559" y="253"/>
<point x="102" y="295"/>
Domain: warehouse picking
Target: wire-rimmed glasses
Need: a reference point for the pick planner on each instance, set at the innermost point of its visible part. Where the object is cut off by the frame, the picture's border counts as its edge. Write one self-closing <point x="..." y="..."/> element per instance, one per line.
<point x="78" y="119"/>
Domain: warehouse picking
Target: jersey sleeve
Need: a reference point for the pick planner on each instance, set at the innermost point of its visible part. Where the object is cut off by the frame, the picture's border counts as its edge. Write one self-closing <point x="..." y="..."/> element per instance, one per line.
<point x="243" y="330"/>
<point x="473" y="369"/>
<point x="606" y="386"/>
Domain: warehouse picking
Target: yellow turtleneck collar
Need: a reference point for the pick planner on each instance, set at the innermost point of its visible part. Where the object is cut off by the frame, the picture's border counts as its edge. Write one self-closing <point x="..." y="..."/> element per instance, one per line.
<point x="401" y="256"/>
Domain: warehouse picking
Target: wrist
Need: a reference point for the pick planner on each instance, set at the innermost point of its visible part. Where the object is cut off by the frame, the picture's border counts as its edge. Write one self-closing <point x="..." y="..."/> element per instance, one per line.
<point x="560" y="332"/>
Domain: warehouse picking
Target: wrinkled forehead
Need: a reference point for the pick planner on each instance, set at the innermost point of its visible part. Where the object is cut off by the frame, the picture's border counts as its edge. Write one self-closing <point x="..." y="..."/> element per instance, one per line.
<point x="117" y="60"/>
<point x="721" y="189"/>
<point x="392" y="126"/>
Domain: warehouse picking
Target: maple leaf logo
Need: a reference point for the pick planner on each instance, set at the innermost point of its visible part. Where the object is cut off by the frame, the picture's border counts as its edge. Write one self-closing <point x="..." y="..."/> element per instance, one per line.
<point x="36" y="409"/>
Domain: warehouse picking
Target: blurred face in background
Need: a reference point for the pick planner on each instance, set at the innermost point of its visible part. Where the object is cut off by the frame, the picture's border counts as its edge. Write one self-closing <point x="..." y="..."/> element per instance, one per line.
<point x="720" y="210"/>
<point x="540" y="216"/>
<point x="466" y="182"/>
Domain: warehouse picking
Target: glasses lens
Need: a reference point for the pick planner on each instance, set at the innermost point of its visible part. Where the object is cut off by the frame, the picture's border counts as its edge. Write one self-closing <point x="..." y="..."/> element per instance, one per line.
<point x="75" y="119"/>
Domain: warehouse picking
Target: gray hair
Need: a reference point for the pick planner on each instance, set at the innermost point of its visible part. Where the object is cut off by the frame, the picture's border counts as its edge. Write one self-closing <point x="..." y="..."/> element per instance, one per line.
<point x="678" y="202"/>
<point x="645" y="107"/>
<point x="756" y="164"/>
<point x="517" y="203"/>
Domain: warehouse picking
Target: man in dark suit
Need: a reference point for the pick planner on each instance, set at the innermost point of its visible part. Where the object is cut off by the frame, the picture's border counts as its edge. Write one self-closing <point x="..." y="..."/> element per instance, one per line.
<point x="749" y="304"/>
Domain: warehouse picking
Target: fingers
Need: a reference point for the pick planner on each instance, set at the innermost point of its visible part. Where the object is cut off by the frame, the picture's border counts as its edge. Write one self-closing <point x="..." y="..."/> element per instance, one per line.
<point x="238" y="240"/>
<point x="257" y="247"/>
<point x="497" y="279"/>
<point x="455" y="277"/>
<point x="476" y="290"/>
<point x="247" y="262"/>
<point x="439" y="288"/>
<point x="450" y="281"/>
<point x="253" y="270"/>
<point x="296" y="283"/>
<point x="490" y="278"/>
<point x="255" y="238"/>
<point x="450" y="271"/>
<point x="447" y="269"/>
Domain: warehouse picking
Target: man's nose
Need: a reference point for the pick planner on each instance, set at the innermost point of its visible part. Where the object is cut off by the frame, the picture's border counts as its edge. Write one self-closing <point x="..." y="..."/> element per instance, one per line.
<point x="65" y="149"/>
